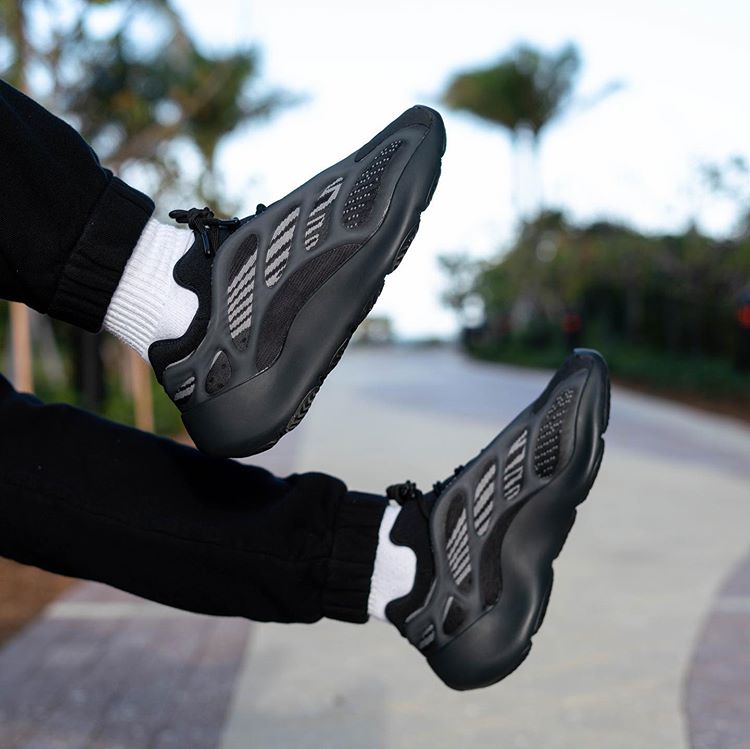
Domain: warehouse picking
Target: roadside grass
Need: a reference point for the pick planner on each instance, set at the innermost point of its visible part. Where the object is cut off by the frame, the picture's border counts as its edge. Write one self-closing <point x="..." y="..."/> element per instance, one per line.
<point x="700" y="380"/>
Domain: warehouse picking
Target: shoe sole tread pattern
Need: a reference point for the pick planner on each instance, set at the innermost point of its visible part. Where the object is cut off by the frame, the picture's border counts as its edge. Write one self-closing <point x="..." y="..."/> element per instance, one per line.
<point x="380" y="254"/>
<point x="532" y="541"/>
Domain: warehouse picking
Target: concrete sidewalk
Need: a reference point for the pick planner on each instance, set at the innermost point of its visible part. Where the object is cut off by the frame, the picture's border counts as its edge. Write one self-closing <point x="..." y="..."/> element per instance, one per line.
<point x="635" y="587"/>
<point x="668" y="518"/>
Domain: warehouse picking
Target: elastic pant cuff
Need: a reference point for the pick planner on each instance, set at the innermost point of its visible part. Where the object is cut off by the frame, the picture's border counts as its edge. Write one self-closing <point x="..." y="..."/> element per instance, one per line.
<point x="353" y="557"/>
<point x="93" y="270"/>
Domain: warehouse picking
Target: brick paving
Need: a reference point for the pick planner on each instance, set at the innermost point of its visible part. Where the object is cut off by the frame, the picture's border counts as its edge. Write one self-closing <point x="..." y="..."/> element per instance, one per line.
<point x="105" y="670"/>
<point x="717" y="699"/>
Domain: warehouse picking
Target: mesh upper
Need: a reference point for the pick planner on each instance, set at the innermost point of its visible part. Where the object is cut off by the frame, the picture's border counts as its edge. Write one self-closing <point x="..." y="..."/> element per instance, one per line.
<point x="319" y="219"/>
<point x="514" y="467"/>
<point x="292" y="296"/>
<point x="457" y="541"/>
<point x="484" y="499"/>
<point x="240" y="290"/>
<point x="361" y="200"/>
<point x="277" y="255"/>
<point x="547" y="450"/>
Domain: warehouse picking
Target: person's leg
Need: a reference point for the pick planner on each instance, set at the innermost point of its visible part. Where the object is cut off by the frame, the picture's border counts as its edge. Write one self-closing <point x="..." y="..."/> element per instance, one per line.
<point x="81" y="237"/>
<point x="69" y="225"/>
<point x="242" y="320"/>
<point x="464" y="572"/>
<point x="84" y="497"/>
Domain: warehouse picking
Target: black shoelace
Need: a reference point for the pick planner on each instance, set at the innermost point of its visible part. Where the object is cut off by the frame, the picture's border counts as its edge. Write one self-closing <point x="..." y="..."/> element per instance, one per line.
<point x="409" y="492"/>
<point x="440" y="486"/>
<point x="205" y="225"/>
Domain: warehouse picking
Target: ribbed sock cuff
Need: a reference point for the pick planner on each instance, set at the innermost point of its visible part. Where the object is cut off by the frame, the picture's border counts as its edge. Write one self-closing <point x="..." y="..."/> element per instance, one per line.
<point x="146" y="305"/>
<point x="353" y="557"/>
<point x="93" y="270"/>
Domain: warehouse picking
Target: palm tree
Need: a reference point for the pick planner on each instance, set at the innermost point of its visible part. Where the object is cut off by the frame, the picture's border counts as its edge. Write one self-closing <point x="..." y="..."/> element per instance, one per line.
<point x="523" y="92"/>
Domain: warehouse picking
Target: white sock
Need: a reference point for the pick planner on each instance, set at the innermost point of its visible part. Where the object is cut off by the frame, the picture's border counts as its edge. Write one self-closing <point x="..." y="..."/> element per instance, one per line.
<point x="148" y="304"/>
<point x="395" y="568"/>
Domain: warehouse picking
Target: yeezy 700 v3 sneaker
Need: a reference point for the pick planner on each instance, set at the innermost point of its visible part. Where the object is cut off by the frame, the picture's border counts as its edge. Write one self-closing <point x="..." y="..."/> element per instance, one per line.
<point x="485" y="539"/>
<point x="281" y="292"/>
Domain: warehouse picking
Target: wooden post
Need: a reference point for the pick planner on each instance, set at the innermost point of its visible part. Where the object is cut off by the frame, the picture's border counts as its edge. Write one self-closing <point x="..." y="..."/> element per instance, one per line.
<point x="140" y="376"/>
<point x="20" y="331"/>
<point x="23" y="378"/>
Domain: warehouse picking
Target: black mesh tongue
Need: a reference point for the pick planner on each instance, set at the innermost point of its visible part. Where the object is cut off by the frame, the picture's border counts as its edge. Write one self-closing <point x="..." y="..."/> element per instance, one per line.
<point x="193" y="271"/>
<point x="209" y="230"/>
<point x="402" y="493"/>
<point x="412" y="529"/>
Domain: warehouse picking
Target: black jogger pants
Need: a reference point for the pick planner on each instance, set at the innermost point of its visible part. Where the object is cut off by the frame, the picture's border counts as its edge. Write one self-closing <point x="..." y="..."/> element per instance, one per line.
<point x="85" y="497"/>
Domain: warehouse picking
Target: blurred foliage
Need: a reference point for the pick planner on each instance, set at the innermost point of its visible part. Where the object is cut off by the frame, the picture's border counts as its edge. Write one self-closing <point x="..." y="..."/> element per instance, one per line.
<point x="709" y="377"/>
<point x="524" y="89"/>
<point x="523" y="92"/>
<point x="662" y="307"/>
<point x="117" y="403"/>
<point x="676" y="292"/>
<point x="136" y="84"/>
<point x="154" y="104"/>
<point x="462" y="269"/>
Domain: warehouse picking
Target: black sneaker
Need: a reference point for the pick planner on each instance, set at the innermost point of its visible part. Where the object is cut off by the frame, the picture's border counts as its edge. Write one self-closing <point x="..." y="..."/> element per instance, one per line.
<point x="485" y="539"/>
<point x="281" y="292"/>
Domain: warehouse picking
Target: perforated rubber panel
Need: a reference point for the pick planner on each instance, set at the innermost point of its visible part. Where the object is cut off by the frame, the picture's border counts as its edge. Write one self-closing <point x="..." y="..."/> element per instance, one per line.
<point x="457" y="541"/>
<point x="484" y="498"/>
<point x="277" y="254"/>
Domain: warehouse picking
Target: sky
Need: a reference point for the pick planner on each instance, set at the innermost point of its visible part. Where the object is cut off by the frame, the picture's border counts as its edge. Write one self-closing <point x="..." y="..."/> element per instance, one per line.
<point x="635" y="156"/>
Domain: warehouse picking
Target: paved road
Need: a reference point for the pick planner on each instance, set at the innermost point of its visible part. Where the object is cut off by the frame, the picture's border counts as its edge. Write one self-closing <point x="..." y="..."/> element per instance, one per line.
<point x="668" y="519"/>
<point x="636" y="593"/>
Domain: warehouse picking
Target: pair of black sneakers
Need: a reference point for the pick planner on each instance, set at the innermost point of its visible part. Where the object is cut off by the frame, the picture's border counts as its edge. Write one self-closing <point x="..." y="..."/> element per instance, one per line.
<point x="280" y="295"/>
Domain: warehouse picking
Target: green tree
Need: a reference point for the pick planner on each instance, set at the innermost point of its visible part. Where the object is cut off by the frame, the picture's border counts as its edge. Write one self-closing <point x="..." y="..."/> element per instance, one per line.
<point x="523" y="93"/>
<point x="460" y="270"/>
<point x="130" y="76"/>
<point x="136" y="84"/>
